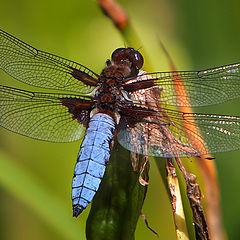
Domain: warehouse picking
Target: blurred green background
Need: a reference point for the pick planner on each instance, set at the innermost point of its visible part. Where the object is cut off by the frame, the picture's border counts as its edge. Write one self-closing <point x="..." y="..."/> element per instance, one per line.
<point x="197" y="34"/>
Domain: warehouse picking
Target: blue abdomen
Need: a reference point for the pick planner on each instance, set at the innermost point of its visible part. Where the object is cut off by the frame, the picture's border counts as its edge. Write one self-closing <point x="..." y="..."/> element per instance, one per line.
<point x="92" y="159"/>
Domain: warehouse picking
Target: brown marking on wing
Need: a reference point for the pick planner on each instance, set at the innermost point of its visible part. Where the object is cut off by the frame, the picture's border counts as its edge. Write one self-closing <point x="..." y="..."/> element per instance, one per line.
<point x="131" y="87"/>
<point x="79" y="108"/>
<point x="84" y="77"/>
<point x="134" y="114"/>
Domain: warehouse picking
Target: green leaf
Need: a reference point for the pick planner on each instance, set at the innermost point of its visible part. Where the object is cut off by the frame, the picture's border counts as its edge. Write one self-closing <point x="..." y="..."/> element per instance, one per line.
<point x="118" y="203"/>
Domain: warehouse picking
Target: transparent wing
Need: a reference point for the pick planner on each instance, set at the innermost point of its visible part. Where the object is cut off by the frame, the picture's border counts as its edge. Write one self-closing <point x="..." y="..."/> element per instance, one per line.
<point x="42" y="116"/>
<point x="165" y="132"/>
<point x="41" y="69"/>
<point x="203" y="88"/>
<point x="181" y="134"/>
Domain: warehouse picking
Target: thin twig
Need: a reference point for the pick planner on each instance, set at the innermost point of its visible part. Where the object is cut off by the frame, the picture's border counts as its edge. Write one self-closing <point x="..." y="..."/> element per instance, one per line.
<point x="115" y="12"/>
<point x="176" y="199"/>
<point x="194" y="196"/>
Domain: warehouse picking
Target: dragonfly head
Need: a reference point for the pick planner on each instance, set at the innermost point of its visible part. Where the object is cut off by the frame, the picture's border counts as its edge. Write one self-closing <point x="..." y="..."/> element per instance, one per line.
<point x="129" y="57"/>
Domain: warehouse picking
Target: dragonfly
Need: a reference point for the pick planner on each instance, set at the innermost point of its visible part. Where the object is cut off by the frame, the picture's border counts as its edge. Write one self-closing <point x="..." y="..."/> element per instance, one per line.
<point x="123" y="103"/>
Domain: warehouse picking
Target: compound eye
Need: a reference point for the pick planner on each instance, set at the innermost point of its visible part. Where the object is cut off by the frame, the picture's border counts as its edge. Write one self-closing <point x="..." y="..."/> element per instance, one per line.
<point x="117" y="55"/>
<point x="137" y="59"/>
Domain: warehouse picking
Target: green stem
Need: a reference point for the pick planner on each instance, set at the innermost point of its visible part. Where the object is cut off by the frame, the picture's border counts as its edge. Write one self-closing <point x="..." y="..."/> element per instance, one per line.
<point x="118" y="203"/>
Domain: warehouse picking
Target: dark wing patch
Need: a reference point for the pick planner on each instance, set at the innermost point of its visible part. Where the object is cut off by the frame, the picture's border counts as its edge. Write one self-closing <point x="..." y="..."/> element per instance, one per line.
<point x="79" y="109"/>
<point x="43" y="116"/>
<point x="84" y="77"/>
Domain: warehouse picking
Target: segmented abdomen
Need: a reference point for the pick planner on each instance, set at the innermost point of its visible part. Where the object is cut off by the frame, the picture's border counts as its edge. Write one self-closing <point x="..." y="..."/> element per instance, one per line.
<point x="93" y="156"/>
